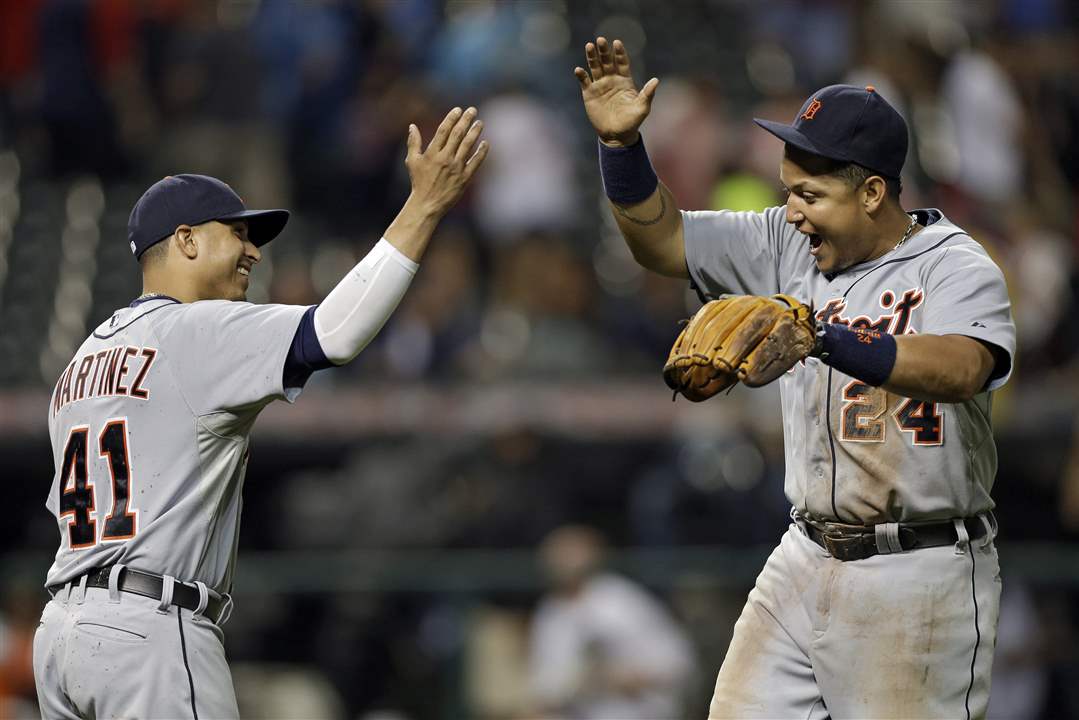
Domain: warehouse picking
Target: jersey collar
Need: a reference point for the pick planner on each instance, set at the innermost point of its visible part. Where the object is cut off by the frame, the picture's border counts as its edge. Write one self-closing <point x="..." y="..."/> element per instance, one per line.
<point x="928" y="216"/>
<point x="147" y="298"/>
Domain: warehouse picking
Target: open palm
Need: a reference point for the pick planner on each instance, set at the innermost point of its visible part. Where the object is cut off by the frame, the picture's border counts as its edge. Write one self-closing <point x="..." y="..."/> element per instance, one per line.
<point x="612" y="102"/>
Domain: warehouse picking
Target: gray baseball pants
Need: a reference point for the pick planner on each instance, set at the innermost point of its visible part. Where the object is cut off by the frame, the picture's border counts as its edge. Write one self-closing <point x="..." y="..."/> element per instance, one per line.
<point x="903" y="635"/>
<point x="127" y="656"/>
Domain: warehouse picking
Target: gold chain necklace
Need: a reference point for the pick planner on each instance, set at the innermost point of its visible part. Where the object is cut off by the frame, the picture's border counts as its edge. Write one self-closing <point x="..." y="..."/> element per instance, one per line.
<point x="910" y="229"/>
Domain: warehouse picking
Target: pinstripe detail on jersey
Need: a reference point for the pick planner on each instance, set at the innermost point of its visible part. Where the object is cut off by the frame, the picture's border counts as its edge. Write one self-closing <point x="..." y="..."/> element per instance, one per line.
<point x="831" y="438"/>
<point x="977" y="630"/>
<point x="183" y="651"/>
<point x="893" y="261"/>
<point x="135" y="319"/>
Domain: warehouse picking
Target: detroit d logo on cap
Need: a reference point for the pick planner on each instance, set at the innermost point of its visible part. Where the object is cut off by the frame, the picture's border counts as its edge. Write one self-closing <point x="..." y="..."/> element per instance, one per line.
<point x="811" y="111"/>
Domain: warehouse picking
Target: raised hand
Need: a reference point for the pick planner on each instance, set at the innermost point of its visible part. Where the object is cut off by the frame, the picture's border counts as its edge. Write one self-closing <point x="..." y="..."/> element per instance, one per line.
<point x="440" y="173"/>
<point x="439" y="177"/>
<point x="614" y="106"/>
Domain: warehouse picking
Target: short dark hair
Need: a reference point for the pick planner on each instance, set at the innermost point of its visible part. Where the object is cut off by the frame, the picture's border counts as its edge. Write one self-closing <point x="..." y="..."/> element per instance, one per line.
<point x="851" y="173"/>
<point x="154" y="254"/>
<point x="854" y="175"/>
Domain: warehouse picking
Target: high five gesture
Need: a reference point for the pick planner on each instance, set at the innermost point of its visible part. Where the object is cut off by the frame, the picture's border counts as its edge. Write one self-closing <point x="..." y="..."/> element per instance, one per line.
<point x="643" y="207"/>
<point x="615" y="107"/>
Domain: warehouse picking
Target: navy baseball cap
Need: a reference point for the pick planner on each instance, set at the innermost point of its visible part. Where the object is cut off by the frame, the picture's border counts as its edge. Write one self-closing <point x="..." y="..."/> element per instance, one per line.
<point x="192" y="200"/>
<point x="851" y="124"/>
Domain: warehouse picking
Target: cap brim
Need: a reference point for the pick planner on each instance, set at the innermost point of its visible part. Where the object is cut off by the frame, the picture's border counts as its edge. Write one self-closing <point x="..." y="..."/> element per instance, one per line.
<point x="262" y="225"/>
<point x="790" y="135"/>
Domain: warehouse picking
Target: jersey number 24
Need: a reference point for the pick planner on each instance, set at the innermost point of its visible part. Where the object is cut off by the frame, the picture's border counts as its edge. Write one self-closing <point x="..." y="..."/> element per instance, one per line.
<point x="77" y="488"/>
<point x="863" y="418"/>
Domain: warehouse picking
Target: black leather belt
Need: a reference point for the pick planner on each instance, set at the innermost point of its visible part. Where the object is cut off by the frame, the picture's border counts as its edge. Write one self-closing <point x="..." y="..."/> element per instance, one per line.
<point x="851" y="542"/>
<point x="150" y="585"/>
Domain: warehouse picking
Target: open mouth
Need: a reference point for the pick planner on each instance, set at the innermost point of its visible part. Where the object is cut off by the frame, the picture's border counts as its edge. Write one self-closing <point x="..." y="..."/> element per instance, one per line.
<point x="243" y="271"/>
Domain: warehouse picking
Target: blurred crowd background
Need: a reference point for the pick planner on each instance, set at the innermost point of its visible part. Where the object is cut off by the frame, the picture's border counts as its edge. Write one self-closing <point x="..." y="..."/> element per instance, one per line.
<point x="496" y="511"/>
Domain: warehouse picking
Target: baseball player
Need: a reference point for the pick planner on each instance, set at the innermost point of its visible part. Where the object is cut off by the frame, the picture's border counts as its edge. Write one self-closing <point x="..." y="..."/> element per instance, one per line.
<point x="881" y="599"/>
<point x="150" y="424"/>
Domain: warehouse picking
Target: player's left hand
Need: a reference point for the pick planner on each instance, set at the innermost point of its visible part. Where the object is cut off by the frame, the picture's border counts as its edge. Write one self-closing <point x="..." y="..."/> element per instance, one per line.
<point x="440" y="173"/>
<point x="739" y="337"/>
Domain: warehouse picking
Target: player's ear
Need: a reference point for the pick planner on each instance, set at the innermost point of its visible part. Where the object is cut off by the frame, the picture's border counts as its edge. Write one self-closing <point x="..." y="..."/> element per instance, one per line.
<point x="184" y="240"/>
<point x="873" y="193"/>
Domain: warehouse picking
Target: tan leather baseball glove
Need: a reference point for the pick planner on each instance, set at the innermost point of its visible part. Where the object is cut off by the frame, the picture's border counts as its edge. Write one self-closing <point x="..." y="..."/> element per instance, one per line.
<point x="750" y="338"/>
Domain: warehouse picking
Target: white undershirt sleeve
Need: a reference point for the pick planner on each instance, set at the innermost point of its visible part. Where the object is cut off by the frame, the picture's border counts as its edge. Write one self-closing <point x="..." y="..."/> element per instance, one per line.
<point x="355" y="310"/>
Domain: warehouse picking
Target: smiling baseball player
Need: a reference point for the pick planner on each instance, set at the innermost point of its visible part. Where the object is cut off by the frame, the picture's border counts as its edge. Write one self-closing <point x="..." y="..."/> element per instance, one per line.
<point x="150" y="424"/>
<point x="881" y="599"/>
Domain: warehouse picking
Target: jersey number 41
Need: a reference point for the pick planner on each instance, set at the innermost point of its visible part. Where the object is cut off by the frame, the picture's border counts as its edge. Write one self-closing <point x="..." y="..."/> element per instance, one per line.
<point x="77" y="488"/>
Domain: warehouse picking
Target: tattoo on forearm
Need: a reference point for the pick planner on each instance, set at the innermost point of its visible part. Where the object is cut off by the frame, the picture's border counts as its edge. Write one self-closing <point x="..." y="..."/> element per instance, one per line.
<point x="651" y="221"/>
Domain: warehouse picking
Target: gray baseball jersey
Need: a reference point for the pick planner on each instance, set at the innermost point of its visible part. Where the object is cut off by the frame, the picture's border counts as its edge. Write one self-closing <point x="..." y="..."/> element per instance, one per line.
<point x="149" y="426"/>
<point x="856" y="453"/>
<point x="899" y="634"/>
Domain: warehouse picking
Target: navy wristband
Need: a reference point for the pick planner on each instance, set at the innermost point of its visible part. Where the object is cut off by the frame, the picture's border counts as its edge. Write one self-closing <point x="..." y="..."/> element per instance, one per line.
<point x="628" y="177"/>
<point x="861" y="353"/>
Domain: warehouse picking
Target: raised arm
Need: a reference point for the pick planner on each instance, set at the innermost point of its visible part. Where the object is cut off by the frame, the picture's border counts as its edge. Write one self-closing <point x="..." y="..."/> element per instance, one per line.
<point x="357" y="308"/>
<point x="643" y="207"/>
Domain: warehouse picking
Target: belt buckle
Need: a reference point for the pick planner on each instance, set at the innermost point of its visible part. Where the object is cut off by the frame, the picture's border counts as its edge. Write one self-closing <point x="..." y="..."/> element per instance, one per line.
<point x="844" y="547"/>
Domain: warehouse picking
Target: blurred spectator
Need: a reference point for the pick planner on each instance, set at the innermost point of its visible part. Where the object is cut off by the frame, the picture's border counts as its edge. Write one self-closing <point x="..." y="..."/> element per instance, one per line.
<point x="527" y="184"/>
<point x="283" y="692"/>
<point x="313" y="55"/>
<point x="987" y="123"/>
<point x="542" y="318"/>
<point x="484" y="47"/>
<point x="18" y="55"/>
<point x="207" y="81"/>
<point x="818" y="34"/>
<point x="413" y="23"/>
<point x="685" y="136"/>
<point x="408" y="510"/>
<point x="756" y="155"/>
<point x="78" y="43"/>
<point x="1038" y="261"/>
<point x="428" y="492"/>
<point x="601" y="646"/>
<point x="474" y="48"/>
<point x="496" y="655"/>
<point x="712" y="485"/>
